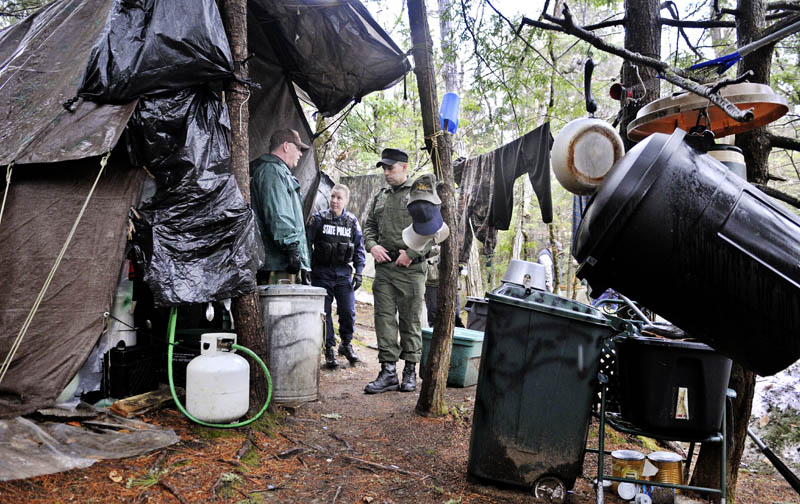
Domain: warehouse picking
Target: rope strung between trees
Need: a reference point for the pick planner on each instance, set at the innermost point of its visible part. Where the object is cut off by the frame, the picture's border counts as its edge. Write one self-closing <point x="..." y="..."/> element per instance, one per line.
<point x="24" y="329"/>
<point x="5" y="193"/>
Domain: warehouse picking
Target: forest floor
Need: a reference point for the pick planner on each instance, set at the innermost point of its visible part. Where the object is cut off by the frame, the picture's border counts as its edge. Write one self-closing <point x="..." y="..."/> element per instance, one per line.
<point x="346" y="447"/>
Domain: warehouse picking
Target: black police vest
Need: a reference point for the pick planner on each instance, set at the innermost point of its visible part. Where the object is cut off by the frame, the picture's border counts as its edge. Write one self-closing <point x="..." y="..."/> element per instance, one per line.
<point x="333" y="245"/>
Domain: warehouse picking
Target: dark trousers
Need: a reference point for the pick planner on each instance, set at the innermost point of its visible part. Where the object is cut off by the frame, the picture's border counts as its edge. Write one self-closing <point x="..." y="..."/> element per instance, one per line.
<point x="338" y="283"/>
<point x="431" y="295"/>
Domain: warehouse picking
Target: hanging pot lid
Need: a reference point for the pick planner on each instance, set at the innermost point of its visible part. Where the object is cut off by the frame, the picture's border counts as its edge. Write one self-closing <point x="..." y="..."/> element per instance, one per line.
<point x="681" y="111"/>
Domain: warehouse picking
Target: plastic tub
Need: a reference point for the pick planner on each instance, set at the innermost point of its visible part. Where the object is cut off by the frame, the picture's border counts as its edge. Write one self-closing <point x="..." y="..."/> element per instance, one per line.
<point x="674" y="388"/>
<point x="465" y="356"/>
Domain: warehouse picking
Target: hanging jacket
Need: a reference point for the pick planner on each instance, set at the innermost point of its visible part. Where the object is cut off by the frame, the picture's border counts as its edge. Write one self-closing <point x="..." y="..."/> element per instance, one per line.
<point x="335" y="241"/>
<point x="278" y="205"/>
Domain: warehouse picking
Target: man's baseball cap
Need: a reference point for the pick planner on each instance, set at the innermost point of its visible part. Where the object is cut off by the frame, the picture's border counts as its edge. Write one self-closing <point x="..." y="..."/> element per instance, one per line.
<point x="426" y="217"/>
<point x="424" y="189"/>
<point x="417" y="242"/>
<point x="391" y="156"/>
<point x="287" y="135"/>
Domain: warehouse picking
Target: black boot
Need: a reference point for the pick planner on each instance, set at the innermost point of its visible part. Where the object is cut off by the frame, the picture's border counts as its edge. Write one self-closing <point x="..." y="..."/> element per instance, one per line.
<point x="386" y="380"/>
<point x="409" y="383"/>
<point x="349" y="353"/>
<point x="330" y="358"/>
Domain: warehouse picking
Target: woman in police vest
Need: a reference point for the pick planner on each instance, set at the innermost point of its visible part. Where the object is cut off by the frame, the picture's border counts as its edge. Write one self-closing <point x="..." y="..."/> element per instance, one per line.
<point x="336" y="242"/>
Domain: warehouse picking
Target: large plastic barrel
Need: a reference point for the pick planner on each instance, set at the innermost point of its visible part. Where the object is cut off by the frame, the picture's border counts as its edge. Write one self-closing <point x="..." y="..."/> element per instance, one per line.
<point x="294" y="317"/>
<point x="674" y="229"/>
<point x="538" y="374"/>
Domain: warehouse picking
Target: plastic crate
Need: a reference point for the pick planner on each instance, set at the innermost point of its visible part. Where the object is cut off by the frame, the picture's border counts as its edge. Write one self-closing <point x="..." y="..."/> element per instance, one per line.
<point x="465" y="358"/>
<point x="129" y="371"/>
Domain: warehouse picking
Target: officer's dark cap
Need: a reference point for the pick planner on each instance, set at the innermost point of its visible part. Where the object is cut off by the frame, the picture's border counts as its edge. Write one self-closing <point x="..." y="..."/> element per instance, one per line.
<point x="391" y="156"/>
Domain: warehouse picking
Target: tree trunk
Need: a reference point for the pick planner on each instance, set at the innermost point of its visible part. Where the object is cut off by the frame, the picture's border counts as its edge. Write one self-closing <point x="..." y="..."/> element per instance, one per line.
<point x="646" y="40"/>
<point x="750" y="23"/>
<point x="755" y="145"/>
<point x="707" y="470"/>
<point x="446" y="11"/>
<point x="246" y="313"/>
<point x="431" y="396"/>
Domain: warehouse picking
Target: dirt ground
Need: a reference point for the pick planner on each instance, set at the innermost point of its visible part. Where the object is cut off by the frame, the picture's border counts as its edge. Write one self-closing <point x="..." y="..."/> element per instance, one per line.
<point x="347" y="447"/>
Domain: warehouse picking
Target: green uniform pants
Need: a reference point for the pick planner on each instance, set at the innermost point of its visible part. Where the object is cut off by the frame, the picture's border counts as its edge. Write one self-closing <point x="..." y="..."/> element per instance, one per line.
<point x="398" y="293"/>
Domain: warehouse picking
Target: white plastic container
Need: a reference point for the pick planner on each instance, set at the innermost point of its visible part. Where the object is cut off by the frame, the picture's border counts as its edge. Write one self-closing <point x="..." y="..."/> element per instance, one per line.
<point x="217" y="382"/>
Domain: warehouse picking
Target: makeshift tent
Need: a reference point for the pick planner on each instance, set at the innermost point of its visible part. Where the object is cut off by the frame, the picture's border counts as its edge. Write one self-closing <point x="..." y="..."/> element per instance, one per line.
<point x="145" y="59"/>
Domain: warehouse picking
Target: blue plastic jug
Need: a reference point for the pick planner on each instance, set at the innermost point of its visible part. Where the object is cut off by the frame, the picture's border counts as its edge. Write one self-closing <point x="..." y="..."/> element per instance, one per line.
<point x="448" y="112"/>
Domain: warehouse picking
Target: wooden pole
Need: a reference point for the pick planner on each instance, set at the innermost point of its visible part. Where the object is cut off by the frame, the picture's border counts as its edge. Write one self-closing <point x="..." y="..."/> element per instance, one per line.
<point x="246" y="313"/>
<point x="431" y="397"/>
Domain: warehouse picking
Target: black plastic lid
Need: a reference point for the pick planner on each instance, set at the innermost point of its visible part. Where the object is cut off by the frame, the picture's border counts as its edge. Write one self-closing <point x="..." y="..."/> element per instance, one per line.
<point x="620" y="194"/>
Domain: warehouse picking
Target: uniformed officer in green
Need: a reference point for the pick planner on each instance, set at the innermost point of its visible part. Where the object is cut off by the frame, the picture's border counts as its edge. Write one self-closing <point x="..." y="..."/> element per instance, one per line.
<point x="399" y="285"/>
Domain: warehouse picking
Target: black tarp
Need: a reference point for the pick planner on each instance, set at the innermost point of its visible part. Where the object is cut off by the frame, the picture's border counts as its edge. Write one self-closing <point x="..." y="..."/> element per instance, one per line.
<point x="195" y="239"/>
<point x="43" y="60"/>
<point x="152" y="46"/>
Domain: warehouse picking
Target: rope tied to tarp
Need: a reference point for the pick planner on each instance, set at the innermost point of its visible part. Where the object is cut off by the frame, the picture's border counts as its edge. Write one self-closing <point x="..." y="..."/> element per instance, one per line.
<point x="25" y="325"/>
<point x="5" y="192"/>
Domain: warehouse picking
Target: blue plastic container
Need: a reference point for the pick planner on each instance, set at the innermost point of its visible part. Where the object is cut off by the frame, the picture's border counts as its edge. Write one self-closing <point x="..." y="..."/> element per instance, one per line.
<point x="465" y="358"/>
<point x="449" y="110"/>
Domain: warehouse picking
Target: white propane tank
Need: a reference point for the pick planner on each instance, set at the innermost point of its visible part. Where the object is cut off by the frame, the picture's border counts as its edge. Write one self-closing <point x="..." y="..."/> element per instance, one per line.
<point x="217" y="382"/>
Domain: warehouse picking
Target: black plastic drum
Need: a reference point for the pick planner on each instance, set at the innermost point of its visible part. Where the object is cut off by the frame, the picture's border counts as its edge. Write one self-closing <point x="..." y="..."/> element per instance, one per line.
<point x="674" y="229"/>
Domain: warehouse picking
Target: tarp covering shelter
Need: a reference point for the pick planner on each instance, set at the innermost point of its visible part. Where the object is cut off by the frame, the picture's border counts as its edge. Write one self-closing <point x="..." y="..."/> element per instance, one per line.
<point x="56" y="62"/>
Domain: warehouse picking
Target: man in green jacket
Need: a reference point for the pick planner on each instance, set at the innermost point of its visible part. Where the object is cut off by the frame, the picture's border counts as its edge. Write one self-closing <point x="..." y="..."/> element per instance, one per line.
<point x="278" y="205"/>
<point x="399" y="284"/>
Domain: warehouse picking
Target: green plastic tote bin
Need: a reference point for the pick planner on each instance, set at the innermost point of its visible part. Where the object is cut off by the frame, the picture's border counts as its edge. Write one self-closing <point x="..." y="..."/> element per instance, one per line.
<point x="465" y="358"/>
<point x="541" y="356"/>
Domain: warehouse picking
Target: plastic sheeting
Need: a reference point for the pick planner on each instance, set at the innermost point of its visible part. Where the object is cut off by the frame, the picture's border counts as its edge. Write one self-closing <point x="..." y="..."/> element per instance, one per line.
<point x="334" y="51"/>
<point x="151" y="46"/>
<point x="42" y="58"/>
<point x="195" y="238"/>
<point x="29" y="448"/>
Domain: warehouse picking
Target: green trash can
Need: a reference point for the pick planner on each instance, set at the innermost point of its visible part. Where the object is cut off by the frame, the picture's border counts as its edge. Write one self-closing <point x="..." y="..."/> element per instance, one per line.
<point x="541" y="356"/>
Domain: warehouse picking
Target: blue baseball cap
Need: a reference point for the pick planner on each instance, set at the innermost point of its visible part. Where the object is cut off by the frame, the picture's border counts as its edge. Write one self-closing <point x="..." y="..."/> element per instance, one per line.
<point x="426" y="217"/>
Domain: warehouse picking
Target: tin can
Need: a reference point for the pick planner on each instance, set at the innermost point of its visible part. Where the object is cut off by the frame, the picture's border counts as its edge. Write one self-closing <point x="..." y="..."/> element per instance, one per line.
<point x="626" y="464"/>
<point x="669" y="465"/>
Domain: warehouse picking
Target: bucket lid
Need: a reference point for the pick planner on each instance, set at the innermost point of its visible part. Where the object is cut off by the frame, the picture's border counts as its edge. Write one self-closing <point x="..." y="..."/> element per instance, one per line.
<point x="681" y="111"/>
<point x="626" y="491"/>
<point x="664" y="456"/>
<point x="290" y="290"/>
<point x="662" y="343"/>
<point x="627" y="455"/>
<point x="616" y="201"/>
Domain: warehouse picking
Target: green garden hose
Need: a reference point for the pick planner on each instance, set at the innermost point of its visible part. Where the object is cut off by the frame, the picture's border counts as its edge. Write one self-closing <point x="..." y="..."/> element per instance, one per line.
<point x="173" y="317"/>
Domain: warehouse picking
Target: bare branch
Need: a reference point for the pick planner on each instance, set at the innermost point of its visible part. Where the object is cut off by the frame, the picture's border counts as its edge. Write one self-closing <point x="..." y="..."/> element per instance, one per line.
<point x="783" y="6"/>
<point x="779" y="195"/>
<point x="782" y="142"/>
<point x="674" y="75"/>
<point x="683" y="23"/>
<point x="605" y="24"/>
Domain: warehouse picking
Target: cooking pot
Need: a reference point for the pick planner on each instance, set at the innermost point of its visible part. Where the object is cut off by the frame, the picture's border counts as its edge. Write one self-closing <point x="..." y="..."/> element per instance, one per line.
<point x="585" y="149"/>
<point x="525" y="274"/>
